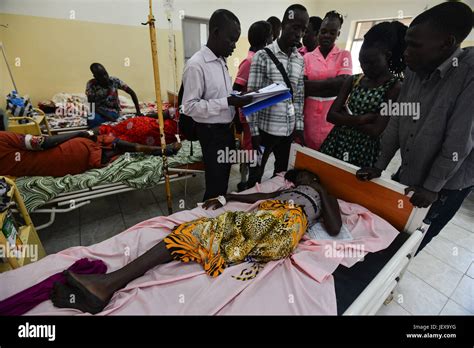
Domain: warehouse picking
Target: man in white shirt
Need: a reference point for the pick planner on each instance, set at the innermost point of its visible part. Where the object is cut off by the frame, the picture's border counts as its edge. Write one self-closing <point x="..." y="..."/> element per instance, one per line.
<point x="207" y="99"/>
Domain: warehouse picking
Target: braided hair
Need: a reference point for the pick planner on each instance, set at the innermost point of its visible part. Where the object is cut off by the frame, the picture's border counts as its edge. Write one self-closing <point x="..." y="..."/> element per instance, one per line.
<point x="334" y="15"/>
<point x="389" y="36"/>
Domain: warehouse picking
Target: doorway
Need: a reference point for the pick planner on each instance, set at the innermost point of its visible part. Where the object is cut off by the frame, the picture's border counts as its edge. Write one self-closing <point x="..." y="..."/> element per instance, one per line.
<point x="195" y="34"/>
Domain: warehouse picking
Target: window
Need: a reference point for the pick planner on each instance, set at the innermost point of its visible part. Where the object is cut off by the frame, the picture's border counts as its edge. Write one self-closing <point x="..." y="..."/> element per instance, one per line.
<point x="361" y="28"/>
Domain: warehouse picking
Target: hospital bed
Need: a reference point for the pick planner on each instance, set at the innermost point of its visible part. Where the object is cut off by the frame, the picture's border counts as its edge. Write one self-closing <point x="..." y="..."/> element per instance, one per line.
<point x="371" y="282"/>
<point x="70" y="201"/>
<point x="359" y="290"/>
<point x="77" y="198"/>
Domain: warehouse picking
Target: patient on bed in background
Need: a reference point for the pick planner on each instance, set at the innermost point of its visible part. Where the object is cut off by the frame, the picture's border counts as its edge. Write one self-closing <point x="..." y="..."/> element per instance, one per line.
<point x="141" y="130"/>
<point x="271" y="232"/>
<point x="102" y="91"/>
<point x="70" y="153"/>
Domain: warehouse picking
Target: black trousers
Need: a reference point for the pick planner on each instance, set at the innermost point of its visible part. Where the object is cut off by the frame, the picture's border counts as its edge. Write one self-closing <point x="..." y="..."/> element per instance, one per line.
<point x="280" y="147"/>
<point x="214" y="139"/>
<point x="441" y="211"/>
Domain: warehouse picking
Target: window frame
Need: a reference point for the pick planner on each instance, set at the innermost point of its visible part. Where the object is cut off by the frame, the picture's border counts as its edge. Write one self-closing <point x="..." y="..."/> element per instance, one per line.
<point x="354" y="39"/>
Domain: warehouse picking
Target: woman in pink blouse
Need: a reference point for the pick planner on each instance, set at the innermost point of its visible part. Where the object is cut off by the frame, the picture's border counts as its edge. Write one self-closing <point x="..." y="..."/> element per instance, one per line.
<point x="326" y="68"/>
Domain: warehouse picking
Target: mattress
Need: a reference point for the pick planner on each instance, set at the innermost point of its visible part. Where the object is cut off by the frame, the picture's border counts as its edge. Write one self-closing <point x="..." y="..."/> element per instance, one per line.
<point x="132" y="169"/>
<point x="350" y="282"/>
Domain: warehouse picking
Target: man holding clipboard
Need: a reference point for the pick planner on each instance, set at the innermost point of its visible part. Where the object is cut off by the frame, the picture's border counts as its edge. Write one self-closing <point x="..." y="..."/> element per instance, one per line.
<point x="208" y="99"/>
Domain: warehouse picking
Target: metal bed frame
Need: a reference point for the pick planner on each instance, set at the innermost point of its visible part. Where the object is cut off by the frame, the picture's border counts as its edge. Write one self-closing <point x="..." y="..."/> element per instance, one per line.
<point x="380" y="289"/>
<point x="69" y="201"/>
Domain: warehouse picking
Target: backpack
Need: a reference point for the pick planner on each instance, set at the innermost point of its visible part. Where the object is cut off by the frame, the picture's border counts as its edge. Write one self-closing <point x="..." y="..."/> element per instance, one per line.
<point x="187" y="126"/>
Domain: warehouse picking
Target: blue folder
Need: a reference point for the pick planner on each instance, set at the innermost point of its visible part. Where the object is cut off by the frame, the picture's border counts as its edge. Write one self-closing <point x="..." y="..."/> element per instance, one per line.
<point x="247" y="110"/>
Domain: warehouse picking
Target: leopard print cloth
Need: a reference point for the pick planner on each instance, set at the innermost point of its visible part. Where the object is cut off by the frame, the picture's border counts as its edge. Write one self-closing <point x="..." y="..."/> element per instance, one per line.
<point x="271" y="232"/>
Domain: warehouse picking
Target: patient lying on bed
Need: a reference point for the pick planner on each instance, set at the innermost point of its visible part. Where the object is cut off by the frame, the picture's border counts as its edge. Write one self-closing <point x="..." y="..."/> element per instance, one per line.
<point x="271" y="232"/>
<point x="141" y="130"/>
<point x="59" y="155"/>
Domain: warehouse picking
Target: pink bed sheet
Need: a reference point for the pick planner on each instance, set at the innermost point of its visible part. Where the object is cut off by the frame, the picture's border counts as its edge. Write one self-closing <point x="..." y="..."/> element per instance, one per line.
<point x="301" y="284"/>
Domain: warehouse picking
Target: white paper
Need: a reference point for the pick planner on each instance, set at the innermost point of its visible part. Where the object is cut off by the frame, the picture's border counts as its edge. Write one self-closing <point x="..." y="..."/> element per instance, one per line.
<point x="267" y="92"/>
<point x="318" y="232"/>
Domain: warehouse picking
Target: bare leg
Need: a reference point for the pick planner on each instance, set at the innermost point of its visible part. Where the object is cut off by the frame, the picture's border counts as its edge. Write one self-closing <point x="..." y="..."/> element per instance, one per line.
<point x="92" y="292"/>
<point x="125" y="146"/>
<point x="55" y="140"/>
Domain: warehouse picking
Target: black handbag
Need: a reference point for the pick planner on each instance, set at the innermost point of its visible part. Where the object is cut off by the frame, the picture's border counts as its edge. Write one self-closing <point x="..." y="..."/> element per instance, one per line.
<point x="186" y="124"/>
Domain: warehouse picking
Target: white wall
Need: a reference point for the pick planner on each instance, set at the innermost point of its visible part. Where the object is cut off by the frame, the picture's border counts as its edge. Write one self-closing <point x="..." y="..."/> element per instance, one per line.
<point x="354" y="10"/>
<point x="133" y="12"/>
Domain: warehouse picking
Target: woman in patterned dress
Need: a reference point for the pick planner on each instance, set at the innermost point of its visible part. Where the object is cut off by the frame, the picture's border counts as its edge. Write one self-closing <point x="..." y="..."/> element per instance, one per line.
<point x="356" y="111"/>
<point x="271" y="232"/>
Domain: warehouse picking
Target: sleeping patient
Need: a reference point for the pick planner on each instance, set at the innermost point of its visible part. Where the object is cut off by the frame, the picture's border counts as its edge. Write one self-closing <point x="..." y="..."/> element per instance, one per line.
<point x="141" y="130"/>
<point x="271" y="232"/>
<point x="59" y="155"/>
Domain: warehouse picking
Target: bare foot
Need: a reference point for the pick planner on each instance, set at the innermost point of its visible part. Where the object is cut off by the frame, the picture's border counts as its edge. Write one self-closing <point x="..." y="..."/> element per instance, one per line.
<point x="86" y="292"/>
<point x="171" y="149"/>
<point x="96" y="284"/>
<point x="66" y="296"/>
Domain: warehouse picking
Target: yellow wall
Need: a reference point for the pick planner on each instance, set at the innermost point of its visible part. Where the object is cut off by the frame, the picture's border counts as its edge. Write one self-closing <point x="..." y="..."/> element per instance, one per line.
<point x="56" y="53"/>
<point x="4" y="79"/>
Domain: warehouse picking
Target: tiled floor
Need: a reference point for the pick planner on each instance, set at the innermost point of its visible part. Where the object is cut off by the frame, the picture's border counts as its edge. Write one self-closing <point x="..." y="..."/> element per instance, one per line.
<point x="440" y="280"/>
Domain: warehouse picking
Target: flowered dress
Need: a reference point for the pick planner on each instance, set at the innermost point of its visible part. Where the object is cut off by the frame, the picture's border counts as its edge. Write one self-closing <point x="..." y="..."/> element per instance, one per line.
<point x="141" y="130"/>
<point x="350" y="144"/>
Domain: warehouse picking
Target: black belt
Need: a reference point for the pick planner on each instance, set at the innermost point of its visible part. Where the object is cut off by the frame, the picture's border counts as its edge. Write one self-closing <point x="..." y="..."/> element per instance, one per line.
<point x="215" y="125"/>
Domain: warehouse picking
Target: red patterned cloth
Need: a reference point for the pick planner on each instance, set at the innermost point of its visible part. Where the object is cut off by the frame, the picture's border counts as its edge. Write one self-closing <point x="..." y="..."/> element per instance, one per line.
<point x="141" y="130"/>
<point x="74" y="156"/>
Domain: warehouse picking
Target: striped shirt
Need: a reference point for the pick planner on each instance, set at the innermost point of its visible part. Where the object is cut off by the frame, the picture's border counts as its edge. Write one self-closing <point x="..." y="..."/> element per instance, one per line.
<point x="280" y="119"/>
